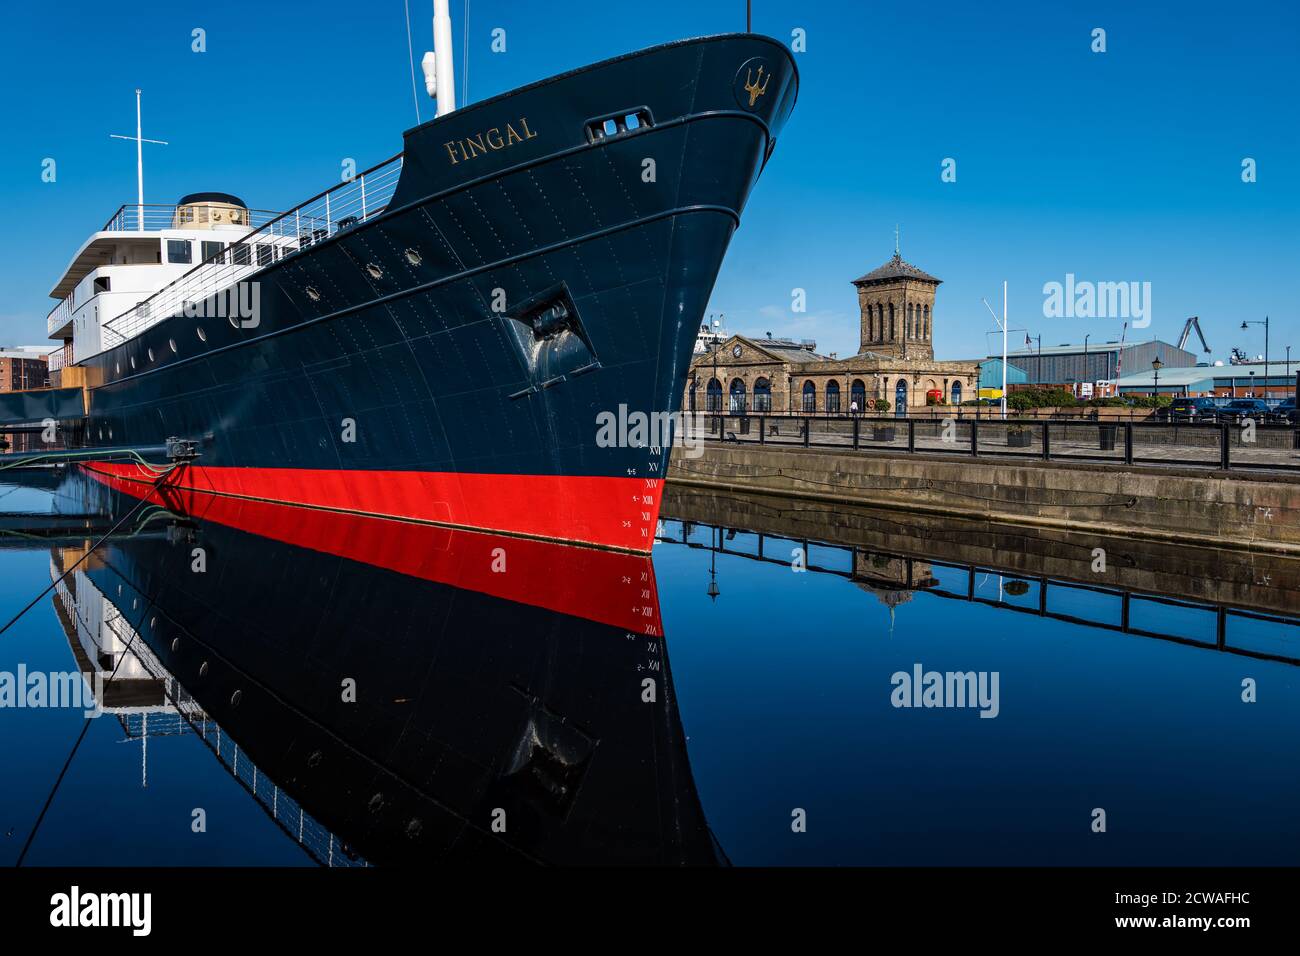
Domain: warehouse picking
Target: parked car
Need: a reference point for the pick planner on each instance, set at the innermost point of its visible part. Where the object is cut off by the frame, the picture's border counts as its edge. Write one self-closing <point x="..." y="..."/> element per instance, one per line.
<point x="1243" y="408"/>
<point x="1193" y="410"/>
<point x="1285" y="412"/>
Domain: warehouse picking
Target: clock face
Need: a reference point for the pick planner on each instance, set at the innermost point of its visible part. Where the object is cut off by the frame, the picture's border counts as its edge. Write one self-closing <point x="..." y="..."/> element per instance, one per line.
<point x="735" y="350"/>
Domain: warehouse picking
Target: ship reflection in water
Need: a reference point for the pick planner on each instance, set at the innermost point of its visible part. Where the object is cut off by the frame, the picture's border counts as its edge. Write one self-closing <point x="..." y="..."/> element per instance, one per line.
<point x="389" y="692"/>
<point x="315" y="687"/>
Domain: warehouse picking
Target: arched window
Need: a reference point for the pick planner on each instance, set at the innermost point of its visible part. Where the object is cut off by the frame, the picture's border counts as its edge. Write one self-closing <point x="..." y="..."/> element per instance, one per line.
<point x="737" y="397"/>
<point x="911" y="327"/>
<point x="713" y="395"/>
<point x="809" y="397"/>
<point x="858" y="394"/>
<point x="892" y="331"/>
<point x="927" y="323"/>
<point x="762" y="396"/>
<point x="833" y="398"/>
<point x="956" y="393"/>
<point x="690" y="401"/>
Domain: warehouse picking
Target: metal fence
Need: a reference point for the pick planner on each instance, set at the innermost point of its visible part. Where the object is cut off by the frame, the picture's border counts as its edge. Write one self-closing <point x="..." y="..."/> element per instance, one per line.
<point x="1220" y="446"/>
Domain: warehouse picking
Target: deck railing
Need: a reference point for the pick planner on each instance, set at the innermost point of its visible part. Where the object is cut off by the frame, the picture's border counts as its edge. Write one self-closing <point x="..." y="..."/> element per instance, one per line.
<point x="60" y="357"/>
<point x="59" y="316"/>
<point x="151" y="217"/>
<point x="339" y="208"/>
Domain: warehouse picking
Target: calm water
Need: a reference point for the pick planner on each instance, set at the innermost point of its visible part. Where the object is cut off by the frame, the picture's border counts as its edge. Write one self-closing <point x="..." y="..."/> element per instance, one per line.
<point x="318" y="689"/>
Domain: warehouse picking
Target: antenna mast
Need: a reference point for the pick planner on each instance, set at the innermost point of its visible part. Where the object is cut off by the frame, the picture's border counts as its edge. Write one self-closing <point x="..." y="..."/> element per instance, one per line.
<point x="139" y="162"/>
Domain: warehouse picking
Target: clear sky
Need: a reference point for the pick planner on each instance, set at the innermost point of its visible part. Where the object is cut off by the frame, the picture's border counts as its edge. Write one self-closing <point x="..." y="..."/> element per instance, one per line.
<point x="1122" y="166"/>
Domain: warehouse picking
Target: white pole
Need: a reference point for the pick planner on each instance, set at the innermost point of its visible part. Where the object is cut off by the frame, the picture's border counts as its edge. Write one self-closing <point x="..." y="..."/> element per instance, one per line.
<point x="1004" y="348"/>
<point x="443" y="56"/>
<point x="139" y="166"/>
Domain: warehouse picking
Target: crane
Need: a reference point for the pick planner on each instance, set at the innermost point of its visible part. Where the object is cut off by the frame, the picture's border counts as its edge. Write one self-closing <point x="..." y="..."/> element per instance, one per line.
<point x="1193" y="323"/>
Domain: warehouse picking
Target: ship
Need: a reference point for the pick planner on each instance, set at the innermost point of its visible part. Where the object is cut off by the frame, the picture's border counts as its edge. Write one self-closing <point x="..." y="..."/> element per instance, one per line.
<point x="436" y="339"/>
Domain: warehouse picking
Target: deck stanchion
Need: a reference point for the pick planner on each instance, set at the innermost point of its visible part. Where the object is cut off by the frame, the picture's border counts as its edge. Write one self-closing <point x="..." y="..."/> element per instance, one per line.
<point x="1225" y="455"/>
<point x="1047" y="439"/>
<point x="975" y="439"/>
<point x="1128" y="443"/>
<point x="911" y="435"/>
<point x="807" y="432"/>
<point x="856" y="423"/>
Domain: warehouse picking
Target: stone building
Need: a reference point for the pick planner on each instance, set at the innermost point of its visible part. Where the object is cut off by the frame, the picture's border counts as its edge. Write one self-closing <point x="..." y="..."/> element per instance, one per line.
<point x="895" y="360"/>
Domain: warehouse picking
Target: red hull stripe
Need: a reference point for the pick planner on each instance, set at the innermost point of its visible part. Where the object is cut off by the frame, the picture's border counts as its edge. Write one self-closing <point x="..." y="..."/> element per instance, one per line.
<point x="611" y="587"/>
<point x="609" y="512"/>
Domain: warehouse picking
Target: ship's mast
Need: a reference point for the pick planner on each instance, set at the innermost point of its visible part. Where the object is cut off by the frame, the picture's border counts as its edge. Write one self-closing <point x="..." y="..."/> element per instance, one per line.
<point x="139" y="162"/>
<point x="439" y="80"/>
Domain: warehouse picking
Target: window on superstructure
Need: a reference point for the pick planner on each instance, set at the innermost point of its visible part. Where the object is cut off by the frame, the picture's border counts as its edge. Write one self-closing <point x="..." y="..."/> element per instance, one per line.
<point x="102" y="284"/>
<point x="212" y="250"/>
<point x="239" y="253"/>
<point x="263" y="254"/>
<point x="179" y="251"/>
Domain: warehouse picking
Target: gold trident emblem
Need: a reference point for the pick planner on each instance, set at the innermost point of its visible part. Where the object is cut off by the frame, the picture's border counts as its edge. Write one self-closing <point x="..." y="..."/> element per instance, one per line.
<point x="755" y="89"/>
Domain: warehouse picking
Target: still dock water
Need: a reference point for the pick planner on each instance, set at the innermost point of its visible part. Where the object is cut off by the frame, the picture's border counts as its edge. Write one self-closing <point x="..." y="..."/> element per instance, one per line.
<point x="287" y="687"/>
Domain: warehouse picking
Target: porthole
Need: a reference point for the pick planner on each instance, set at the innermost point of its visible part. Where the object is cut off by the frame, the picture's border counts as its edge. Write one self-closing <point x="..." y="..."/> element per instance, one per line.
<point x="374" y="270"/>
<point x="413" y="257"/>
<point x="176" y="644"/>
<point x="153" y="622"/>
<point x="172" y="343"/>
<point x="150" y="353"/>
<point x="236" y="697"/>
<point x="203" y="336"/>
<point x="118" y="367"/>
<point x="312" y="293"/>
<point x="203" y="669"/>
<point x="133" y="363"/>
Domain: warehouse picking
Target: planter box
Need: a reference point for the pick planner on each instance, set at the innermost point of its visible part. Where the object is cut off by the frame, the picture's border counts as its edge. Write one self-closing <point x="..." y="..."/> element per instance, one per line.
<point x="1019" y="439"/>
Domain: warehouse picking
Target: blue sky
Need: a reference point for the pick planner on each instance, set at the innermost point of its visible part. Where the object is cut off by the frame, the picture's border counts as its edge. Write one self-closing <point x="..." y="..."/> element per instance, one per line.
<point x="1115" y="166"/>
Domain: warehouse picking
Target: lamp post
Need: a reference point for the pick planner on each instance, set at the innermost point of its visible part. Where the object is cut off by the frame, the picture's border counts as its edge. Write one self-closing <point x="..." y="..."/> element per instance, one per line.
<point x="714" y="325"/>
<point x="1265" y="324"/>
<point x="713" y="590"/>
<point x="1156" y="366"/>
<point x="1085" y="357"/>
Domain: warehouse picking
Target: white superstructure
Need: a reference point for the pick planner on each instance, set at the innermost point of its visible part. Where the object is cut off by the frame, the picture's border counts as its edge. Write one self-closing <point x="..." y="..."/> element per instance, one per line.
<point x="139" y="251"/>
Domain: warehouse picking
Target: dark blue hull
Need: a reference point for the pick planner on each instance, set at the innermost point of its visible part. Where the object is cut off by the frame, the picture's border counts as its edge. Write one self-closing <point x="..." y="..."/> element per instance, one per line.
<point x="526" y="276"/>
